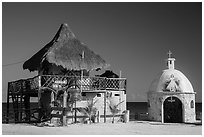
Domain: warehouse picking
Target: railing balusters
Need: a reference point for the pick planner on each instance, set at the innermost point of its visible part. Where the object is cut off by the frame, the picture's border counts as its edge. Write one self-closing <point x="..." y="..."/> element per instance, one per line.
<point x="88" y="83"/>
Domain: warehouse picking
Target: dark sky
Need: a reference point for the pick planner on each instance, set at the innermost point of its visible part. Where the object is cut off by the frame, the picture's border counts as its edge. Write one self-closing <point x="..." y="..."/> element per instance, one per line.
<point x="131" y="37"/>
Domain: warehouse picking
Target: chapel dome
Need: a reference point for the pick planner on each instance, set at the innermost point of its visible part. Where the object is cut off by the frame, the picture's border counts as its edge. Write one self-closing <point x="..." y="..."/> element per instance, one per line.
<point x="171" y="80"/>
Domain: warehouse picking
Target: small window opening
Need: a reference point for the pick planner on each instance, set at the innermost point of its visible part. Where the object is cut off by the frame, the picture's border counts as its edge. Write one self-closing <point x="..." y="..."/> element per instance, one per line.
<point x="98" y="95"/>
<point x="83" y="94"/>
<point x="192" y="104"/>
<point x="117" y="94"/>
<point x="148" y="104"/>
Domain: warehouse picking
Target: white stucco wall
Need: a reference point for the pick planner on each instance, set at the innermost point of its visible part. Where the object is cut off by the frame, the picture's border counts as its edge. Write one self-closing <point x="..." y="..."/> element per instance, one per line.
<point x="115" y="98"/>
<point x="155" y="106"/>
<point x="156" y="111"/>
<point x="188" y="112"/>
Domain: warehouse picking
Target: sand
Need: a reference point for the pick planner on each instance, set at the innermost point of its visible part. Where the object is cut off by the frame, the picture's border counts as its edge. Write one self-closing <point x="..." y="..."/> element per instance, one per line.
<point x="130" y="128"/>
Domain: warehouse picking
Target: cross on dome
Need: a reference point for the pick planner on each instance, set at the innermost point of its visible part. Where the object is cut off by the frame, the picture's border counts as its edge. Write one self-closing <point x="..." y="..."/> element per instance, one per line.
<point x="170" y="61"/>
<point x="169" y="54"/>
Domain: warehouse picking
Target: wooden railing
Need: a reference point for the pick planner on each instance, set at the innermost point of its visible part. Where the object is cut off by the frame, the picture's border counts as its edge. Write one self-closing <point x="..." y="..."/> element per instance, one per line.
<point x="23" y="85"/>
<point x="59" y="82"/>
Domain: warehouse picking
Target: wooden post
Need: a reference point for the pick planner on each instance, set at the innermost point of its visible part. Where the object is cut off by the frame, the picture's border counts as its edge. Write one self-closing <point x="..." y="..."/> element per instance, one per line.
<point x="27" y="107"/>
<point x="82" y="69"/>
<point x="52" y="98"/>
<point x="39" y="97"/>
<point x="21" y="100"/>
<point x="98" y="117"/>
<point x="105" y="107"/>
<point x="81" y="80"/>
<point x="75" y="113"/>
<point x="7" y="113"/>
<point x="17" y="110"/>
<point x="64" y="108"/>
<point x="39" y="90"/>
<point x="119" y="89"/>
<point x="65" y="99"/>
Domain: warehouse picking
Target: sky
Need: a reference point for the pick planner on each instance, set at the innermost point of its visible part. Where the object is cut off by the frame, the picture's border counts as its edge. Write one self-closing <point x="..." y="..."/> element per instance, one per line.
<point x="133" y="38"/>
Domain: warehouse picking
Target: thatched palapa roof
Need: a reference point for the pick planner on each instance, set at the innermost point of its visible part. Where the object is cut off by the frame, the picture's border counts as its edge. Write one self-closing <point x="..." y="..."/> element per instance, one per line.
<point x="65" y="50"/>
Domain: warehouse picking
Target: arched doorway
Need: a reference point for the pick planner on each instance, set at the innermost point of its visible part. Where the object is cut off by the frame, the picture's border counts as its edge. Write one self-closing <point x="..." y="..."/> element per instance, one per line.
<point x="173" y="110"/>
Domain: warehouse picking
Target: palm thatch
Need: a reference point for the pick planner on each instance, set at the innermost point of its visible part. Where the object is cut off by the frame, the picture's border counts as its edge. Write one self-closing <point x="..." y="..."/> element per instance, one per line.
<point x="65" y="50"/>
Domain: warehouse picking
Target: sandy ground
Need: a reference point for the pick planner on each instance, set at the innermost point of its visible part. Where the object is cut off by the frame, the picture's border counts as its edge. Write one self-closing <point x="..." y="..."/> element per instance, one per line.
<point x="131" y="128"/>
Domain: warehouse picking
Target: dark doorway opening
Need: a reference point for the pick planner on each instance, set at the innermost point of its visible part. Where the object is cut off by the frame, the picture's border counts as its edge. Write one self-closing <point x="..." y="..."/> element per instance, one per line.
<point x="173" y="110"/>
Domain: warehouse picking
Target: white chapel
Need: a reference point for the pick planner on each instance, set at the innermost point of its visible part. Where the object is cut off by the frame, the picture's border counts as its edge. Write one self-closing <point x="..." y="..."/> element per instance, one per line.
<point x="171" y="98"/>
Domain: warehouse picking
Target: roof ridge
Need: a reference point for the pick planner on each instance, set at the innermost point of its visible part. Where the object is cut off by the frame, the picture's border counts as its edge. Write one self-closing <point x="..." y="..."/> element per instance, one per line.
<point x="64" y="33"/>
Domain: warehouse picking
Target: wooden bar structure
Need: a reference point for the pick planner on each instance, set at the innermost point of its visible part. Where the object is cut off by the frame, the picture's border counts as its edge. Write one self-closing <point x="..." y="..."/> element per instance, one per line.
<point x="63" y="66"/>
<point x="20" y="92"/>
